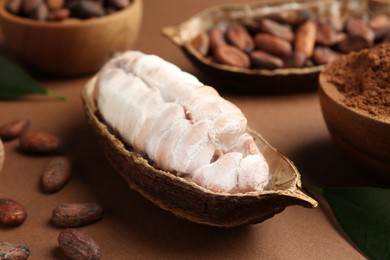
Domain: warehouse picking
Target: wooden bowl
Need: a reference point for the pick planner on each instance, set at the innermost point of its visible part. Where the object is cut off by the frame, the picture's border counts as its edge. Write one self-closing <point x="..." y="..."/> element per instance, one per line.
<point x="71" y="47"/>
<point x="259" y="80"/>
<point x="361" y="136"/>
<point x="187" y="200"/>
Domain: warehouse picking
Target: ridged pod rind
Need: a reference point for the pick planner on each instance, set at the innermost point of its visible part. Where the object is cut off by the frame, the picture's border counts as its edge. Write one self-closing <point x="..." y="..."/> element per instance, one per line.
<point x="188" y="200"/>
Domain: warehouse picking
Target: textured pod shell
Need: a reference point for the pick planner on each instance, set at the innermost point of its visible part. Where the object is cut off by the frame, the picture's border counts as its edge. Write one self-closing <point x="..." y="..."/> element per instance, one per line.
<point x="188" y="200"/>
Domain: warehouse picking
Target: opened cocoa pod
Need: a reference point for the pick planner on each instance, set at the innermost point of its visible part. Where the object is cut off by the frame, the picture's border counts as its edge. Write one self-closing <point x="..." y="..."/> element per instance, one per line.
<point x="206" y="197"/>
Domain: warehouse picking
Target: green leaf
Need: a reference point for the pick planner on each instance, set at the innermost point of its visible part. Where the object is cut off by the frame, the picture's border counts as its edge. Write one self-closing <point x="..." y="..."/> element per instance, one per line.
<point x="15" y="82"/>
<point x="364" y="215"/>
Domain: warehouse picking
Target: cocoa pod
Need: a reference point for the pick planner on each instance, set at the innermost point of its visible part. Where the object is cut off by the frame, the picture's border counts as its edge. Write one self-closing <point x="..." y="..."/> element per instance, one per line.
<point x="239" y="37"/>
<point x="12" y="251"/>
<point x="55" y="4"/>
<point x="14" y="6"/>
<point x="357" y="27"/>
<point x="232" y="56"/>
<point x="263" y="60"/>
<point x="295" y="60"/>
<point x="282" y="31"/>
<point x="56" y="174"/>
<point x="76" y="214"/>
<point x="353" y="43"/>
<point x="327" y="35"/>
<point x="13" y="129"/>
<point x="217" y="38"/>
<point x="305" y="38"/>
<point x="380" y="24"/>
<point x="77" y="245"/>
<point x="273" y="45"/>
<point x="39" y="142"/>
<point x="324" y="55"/>
<point x="59" y="14"/>
<point x="11" y="212"/>
<point x="201" y="43"/>
<point x="85" y="9"/>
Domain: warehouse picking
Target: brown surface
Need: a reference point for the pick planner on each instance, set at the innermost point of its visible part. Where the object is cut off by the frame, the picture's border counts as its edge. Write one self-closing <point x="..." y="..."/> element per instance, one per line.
<point x="133" y="228"/>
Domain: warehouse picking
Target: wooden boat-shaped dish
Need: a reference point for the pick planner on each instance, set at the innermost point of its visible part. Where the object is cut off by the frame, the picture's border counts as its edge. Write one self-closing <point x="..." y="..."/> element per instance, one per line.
<point x="189" y="201"/>
<point x="261" y="80"/>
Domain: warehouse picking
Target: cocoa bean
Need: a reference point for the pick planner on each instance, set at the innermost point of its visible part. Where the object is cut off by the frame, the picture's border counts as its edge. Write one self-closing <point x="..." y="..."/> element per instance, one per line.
<point x="232" y="56"/>
<point x="251" y="25"/>
<point x="324" y="55"/>
<point x="263" y="60"/>
<point x="357" y="27"/>
<point x="282" y="31"/>
<point x="217" y="38"/>
<point x="85" y="9"/>
<point x="201" y="43"/>
<point x="380" y="24"/>
<point x="40" y="13"/>
<point x="353" y="43"/>
<point x="39" y="142"/>
<point x="29" y="6"/>
<point x="12" y="251"/>
<point x="11" y="212"/>
<point x="327" y="35"/>
<point x="305" y="38"/>
<point x="273" y="45"/>
<point x="59" y="14"/>
<point x="13" y="129"/>
<point x="239" y="37"/>
<point x="56" y="174"/>
<point x="14" y="6"/>
<point x="77" y="245"/>
<point x="295" y="60"/>
<point x="55" y="4"/>
<point x="76" y="214"/>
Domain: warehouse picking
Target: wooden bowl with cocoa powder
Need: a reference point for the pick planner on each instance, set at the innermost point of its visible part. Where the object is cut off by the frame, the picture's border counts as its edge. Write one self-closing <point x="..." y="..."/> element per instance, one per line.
<point x="72" y="46"/>
<point x="285" y="70"/>
<point x="354" y="93"/>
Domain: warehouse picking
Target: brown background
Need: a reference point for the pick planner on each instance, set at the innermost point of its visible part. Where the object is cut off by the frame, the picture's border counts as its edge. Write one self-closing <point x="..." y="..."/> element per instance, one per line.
<point x="132" y="227"/>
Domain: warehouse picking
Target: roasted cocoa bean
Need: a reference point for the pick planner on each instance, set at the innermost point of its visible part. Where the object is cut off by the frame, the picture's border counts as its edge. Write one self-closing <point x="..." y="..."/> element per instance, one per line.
<point x="13" y="129"/>
<point x="251" y="25"/>
<point x="305" y="38"/>
<point x="282" y="31"/>
<point x="40" y="13"/>
<point x="201" y="43"/>
<point x="76" y="214"/>
<point x="380" y="24"/>
<point x="11" y="212"/>
<point x="59" y="14"/>
<point x="232" y="56"/>
<point x="324" y="55"/>
<point x="357" y="27"/>
<point x="353" y="43"/>
<point x="14" y="6"/>
<point x="240" y="38"/>
<point x="327" y="35"/>
<point x="56" y="174"/>
<point x="295" y="60"/>
<point x="12" y="251"/>
<point x="77" y="245"/>
<point x="263" y="60"/>
<point x="39" y="142"/>
<point x="85" y="9"/>
<point x="216" y="38"/>
<point x="273" y="45"/>
<point x="55" y="4"/>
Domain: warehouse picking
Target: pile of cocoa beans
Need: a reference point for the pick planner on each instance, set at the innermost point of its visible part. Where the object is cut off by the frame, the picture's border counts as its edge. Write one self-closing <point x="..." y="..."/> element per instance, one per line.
<point x="59" y="10"/>
<point x="290" y="39"/>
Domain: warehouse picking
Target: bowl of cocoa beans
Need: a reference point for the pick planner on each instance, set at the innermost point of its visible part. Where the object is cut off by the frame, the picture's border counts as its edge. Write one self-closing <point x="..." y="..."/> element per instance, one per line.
<point x="69" y="37"/>
<point x="279" y="46"/>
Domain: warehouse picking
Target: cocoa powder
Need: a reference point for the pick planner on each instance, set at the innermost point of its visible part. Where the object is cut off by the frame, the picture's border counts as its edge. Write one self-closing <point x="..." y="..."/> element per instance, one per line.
<point x="364" y="79"/>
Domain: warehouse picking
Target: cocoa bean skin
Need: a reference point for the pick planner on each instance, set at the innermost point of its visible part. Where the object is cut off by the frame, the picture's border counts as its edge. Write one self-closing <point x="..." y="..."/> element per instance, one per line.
<point x="76" y="214"/>
<point x="13" y="129"/>
<point x="232" y="56"/>
<point x="263" y="60"/>
<point x="12" y="251"/>
<point x="305" y="38"/>
<point x="201" y="43"/>
<point x="56" y="174"/>
<point x="77" y="245"/>
<point x="39" y="142"/>
<point x="11" y="212"/>
<point x="282" y="31"/>
<point x="240" y="38"/>
<point x="273" y="45"/>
